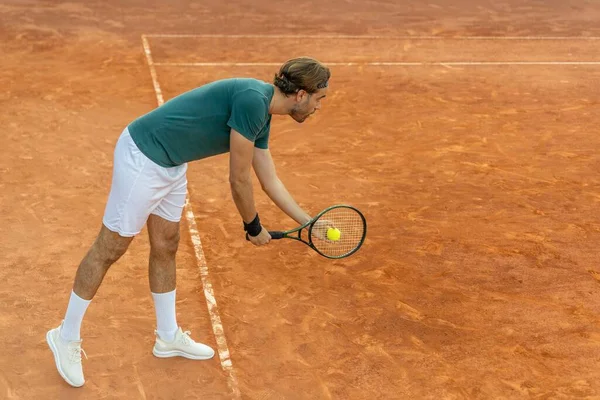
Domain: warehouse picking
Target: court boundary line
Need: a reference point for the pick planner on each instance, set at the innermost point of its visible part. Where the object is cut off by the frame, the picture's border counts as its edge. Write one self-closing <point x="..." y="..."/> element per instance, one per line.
<point x="383" y="63"/>
<point x="211" y="302"/>
<point x="390" y="37"/>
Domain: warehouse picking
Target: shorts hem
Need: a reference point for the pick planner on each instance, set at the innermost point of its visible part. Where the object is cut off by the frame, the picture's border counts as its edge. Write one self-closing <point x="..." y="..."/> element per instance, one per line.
<point x="119" y="231"/>
<point x="164" y="217"/>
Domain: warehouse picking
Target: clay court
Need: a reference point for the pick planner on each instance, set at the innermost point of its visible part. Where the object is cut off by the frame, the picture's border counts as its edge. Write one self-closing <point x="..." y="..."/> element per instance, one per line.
<point x="465" y="131"/>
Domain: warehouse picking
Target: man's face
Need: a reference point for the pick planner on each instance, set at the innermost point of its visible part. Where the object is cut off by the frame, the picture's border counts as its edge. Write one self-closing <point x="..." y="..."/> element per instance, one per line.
<point x="307" y="104"/>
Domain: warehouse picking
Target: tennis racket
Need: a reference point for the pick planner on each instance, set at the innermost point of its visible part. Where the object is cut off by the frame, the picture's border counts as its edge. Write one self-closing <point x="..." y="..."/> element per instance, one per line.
<point x="351" y="228"/>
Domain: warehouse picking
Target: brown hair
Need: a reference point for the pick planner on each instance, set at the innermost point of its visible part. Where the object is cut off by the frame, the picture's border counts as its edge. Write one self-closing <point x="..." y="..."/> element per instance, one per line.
<point x="302" y="73"/>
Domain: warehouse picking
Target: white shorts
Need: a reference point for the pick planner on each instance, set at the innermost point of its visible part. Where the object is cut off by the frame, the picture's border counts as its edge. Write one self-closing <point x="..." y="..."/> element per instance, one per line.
<point x="141" y="187"/>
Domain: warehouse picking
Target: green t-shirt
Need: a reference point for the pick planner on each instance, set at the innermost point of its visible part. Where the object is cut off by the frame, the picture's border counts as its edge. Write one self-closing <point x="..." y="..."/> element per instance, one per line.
<point x="197" y="124"/>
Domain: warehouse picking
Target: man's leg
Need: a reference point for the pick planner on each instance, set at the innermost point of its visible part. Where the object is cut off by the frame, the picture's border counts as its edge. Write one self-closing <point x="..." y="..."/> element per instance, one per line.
<point x="164" y="240"/>
<point x="171" y="341"/>
<point x="65" y="341"/>
<point x="106" y="250"/>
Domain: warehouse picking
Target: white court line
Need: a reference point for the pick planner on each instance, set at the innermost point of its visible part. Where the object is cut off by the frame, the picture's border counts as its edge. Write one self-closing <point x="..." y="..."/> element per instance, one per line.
<point x="381" y="64"/>
<point x="391" y="37"/>
<point x="209" y="294"/>
<point x="159" y="96"/>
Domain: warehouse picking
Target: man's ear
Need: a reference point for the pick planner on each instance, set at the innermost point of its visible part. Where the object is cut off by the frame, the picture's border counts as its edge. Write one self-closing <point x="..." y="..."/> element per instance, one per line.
<point x="301" y="95"/>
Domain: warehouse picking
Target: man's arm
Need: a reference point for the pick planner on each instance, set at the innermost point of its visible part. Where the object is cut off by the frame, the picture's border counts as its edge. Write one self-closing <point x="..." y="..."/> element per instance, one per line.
<point x="240" y="180"/>
<point x="265" y="171"/>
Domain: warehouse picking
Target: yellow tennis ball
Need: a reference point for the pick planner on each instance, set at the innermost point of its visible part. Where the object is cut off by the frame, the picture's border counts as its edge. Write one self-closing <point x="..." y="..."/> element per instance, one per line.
<point x="333" y="234"/>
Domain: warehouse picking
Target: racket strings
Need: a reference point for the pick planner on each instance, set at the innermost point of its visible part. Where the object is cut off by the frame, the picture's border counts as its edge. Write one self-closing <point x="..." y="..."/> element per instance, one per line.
<point x="351" y="225"/>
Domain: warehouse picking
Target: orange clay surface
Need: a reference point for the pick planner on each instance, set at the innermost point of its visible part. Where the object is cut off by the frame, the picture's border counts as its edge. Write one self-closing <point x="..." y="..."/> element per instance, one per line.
<point x="478" y="280"/>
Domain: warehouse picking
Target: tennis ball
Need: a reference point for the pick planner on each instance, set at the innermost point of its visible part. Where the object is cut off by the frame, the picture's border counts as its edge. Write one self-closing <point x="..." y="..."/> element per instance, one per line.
<point x="333" y="234"/>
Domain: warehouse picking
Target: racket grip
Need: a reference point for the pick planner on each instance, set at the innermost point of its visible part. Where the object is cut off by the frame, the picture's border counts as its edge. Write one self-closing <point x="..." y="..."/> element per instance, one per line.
<point x="274" y="235"/>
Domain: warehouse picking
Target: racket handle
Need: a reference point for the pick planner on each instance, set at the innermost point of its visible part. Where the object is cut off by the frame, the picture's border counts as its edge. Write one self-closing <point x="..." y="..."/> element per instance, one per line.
<point x="274" y="235"/>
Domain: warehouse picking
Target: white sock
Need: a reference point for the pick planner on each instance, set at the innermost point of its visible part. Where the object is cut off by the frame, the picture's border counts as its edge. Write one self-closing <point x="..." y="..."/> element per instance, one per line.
<point x="71" y="326"/>
<point x="166" y="320"/>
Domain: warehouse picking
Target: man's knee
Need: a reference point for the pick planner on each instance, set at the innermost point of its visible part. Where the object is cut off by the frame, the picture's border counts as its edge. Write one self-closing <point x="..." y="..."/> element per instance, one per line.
<point x="110" y="246"/>
<point x="165" y="244"/>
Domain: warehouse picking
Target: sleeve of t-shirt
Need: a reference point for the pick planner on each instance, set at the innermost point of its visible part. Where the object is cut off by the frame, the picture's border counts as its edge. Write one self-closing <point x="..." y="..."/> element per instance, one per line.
<point x="263" y="141"/>
<point x="248" y="114"/>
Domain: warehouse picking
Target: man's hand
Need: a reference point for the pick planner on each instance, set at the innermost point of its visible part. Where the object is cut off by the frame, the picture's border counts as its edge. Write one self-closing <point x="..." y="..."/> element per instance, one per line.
<point x="262" y="238"/>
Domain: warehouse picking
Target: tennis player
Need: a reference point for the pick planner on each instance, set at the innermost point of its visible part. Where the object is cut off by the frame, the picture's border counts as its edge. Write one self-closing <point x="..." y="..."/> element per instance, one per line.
<point x="149" y="185"/>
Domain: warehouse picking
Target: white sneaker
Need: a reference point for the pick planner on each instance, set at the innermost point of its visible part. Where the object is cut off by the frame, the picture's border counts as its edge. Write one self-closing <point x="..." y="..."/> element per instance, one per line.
<point x="182" y="346"/>
<point x="67" y="356"/>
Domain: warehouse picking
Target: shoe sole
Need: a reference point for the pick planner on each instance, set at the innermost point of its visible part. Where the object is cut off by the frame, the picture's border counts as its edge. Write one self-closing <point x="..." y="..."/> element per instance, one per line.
<point x="176" y="353"/>
<point x="52" y="346"/>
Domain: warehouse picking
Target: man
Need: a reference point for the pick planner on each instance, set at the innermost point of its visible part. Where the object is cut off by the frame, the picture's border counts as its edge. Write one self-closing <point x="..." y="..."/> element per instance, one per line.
<point x="149" y="186"/>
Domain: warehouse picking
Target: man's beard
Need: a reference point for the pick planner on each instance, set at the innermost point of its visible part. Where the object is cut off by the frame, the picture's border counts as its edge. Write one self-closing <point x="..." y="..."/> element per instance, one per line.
<point x="299" y="115"/>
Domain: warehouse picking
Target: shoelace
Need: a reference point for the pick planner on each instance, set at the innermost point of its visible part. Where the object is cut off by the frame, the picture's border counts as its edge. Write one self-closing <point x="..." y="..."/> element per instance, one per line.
<point x="185" y="338"/>
<point x="75" y="353"/>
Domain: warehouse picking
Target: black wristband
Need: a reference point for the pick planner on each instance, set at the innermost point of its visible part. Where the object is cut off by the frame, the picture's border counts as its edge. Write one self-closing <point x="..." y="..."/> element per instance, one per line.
<point x="254" y="227"/>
